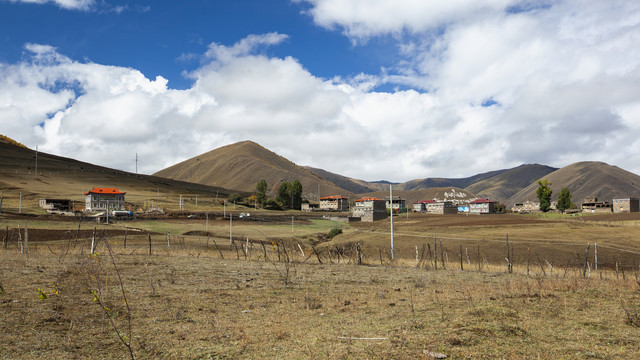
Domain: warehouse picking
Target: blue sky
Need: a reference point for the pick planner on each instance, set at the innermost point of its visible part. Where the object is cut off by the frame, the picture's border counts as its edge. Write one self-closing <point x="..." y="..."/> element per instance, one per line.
<point x="375" y="89"/>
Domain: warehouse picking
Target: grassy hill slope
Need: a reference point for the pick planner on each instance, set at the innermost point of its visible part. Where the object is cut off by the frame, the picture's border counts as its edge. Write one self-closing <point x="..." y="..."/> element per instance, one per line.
<point x="504" y="185"/>
<point x="243" y="164"/>
<point x="584" y="179"/>
<point x="65" y="178"/>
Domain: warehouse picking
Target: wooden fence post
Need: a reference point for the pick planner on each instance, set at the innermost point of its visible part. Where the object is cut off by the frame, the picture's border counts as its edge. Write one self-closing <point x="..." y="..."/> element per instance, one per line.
<point x="169" y="240"/>
<point x="93" y="241"/>
<point x="461" y="266"/>
<point x="586" y="258"/>
<point x="435" y="253"/>
<point x="26" y="237"/>
<point x="149" y="235"/>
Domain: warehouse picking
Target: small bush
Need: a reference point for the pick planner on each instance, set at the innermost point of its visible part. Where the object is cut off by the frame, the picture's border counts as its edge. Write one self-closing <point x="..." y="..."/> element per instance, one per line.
<point x="334" y="232"/>
<point x="235" y="198"/>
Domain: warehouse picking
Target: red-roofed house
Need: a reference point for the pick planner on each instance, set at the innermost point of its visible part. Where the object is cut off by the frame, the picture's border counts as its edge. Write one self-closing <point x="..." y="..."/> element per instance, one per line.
<point x="421" y="206"/>
<point x="482" y="206"/>
<point x="334" y="203"/>
<point x="104" y="199"/>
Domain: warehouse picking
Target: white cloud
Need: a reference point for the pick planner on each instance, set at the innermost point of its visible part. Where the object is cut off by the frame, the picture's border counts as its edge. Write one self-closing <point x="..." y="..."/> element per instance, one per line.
<point x="65" y="4"/>
<point x="497" y="84"/>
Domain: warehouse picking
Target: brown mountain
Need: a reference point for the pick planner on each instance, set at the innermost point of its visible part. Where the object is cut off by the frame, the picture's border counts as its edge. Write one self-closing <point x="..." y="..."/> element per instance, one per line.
<point x="505" y="184"/>
<point x="65" y="178"/>
<point x="447" y="182"/>
<point x="352" y="185"/>
<point x="585" y="179"/>
<point x="241" y="165"/>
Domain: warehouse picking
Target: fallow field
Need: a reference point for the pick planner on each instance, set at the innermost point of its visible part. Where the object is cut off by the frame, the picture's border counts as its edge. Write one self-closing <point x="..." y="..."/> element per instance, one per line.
<point x="284" y="289"/>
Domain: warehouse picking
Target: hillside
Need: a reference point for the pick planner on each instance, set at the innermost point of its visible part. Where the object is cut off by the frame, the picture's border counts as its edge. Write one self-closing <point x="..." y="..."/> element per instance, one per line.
<point x="448" y="182"/>
<point x="349" y="184"/>
<point x="505" y="184"/>
<point x="437" y="193"/>
<point x="241" y="165"/>
<point x="65" y="178"/>
<point x="584" y="179"/>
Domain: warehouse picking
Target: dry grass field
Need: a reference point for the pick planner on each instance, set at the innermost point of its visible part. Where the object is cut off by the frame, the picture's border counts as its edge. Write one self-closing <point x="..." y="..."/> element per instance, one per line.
<point x="197" y="299"/>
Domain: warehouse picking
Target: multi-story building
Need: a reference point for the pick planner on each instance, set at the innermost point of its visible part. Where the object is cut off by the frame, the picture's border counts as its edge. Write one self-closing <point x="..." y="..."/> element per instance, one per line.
<point x="482" y="206"/>
<point x="334" y="203"/>
<point x="396" y="203"/>
<point x="626" y="205"/>
<point x="370" y="209"/>
<point x="99" y="199"/>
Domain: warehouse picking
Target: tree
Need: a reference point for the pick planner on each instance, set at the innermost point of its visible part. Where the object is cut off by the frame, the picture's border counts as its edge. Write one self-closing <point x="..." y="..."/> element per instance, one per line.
<point x="261" y="189"/>
<point x="296" y="194"/>
<point x="544" y="194"/>
<point x="284" y="195"/>
<point x="564" y="199"/>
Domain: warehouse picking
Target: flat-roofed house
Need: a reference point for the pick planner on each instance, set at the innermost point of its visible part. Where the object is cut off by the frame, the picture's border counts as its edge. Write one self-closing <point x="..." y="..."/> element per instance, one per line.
<point x="396" y="203"/>
<point x="369" y="209"/>
<point x="334" y="203"/>
<point x="98" y="199"/>
<point x="626" y="205"/>
<point x="482" y="206"/>
<point x="592" y="205"/>
<point x="442" y="208"/>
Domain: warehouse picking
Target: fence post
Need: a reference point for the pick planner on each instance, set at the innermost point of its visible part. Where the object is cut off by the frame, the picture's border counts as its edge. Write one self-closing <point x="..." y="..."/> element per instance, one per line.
<point x="26" y="237"/>
<point x="435" y="253"/>
<point x="595" y="254"/>
<point x="461" y="266"/>
<point x="509" y="268"/>
<point x="586" y="258"/>
<point x="169" y="240"/>
<point x="149" y="235"/>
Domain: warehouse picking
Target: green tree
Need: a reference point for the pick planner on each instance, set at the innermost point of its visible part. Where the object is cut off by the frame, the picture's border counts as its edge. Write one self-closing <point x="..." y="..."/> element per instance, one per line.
<point x="296" y="194"/>
<point x="284" y="195"/>
<point x="261" y="189"/>
<point x="544" y="194"/>
<point x="564" y="199"/>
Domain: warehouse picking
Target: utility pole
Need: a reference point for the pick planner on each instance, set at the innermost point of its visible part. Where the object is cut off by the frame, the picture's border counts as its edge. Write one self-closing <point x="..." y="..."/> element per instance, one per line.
<point x="36" y="161"/>
<point x="230" y="228"/>
<point x="391" y="214"/>
<point x="136" y="163"/>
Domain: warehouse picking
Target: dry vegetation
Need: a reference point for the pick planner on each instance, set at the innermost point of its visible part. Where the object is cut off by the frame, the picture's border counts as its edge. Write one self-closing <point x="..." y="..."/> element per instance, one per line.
<point x="186" y="301"/>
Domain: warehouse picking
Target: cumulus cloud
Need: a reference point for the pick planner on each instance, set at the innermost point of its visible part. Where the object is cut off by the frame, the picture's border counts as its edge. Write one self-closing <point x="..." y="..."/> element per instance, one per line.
<point x="65" y="4"/>
<point x="488" y="85"/>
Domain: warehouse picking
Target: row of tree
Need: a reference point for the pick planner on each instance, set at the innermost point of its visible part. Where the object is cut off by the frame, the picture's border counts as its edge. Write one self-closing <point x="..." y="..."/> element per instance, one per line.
<point x="544" y="193"/>
<point x="288" y="196"/>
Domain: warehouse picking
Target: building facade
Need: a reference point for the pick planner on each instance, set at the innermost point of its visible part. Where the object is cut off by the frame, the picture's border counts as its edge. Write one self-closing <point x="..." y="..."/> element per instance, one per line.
<point x="626" y="205"/>
<point x="396" y="203"/>
<point x="592" y="205"/>
<point x="99" y="199"/>
<point x="442" y="208"/>
<point x="334" y="203"/>
<point x="370" y="209"/>
<point x="482" y="206"/>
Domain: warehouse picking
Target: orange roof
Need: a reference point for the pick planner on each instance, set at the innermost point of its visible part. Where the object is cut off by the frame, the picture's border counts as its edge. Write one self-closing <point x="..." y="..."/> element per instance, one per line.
<point x="112" y="191"/>
<point x="368" y="199"/>
<point x="333" y="197"/>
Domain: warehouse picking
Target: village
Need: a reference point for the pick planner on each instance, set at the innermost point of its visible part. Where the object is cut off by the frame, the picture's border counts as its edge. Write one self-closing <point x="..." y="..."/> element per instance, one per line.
<point x="104" y="202"/>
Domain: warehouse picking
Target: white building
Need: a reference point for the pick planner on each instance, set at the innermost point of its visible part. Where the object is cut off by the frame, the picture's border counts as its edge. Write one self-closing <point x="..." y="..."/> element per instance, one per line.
<point x="99" y="199"/>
